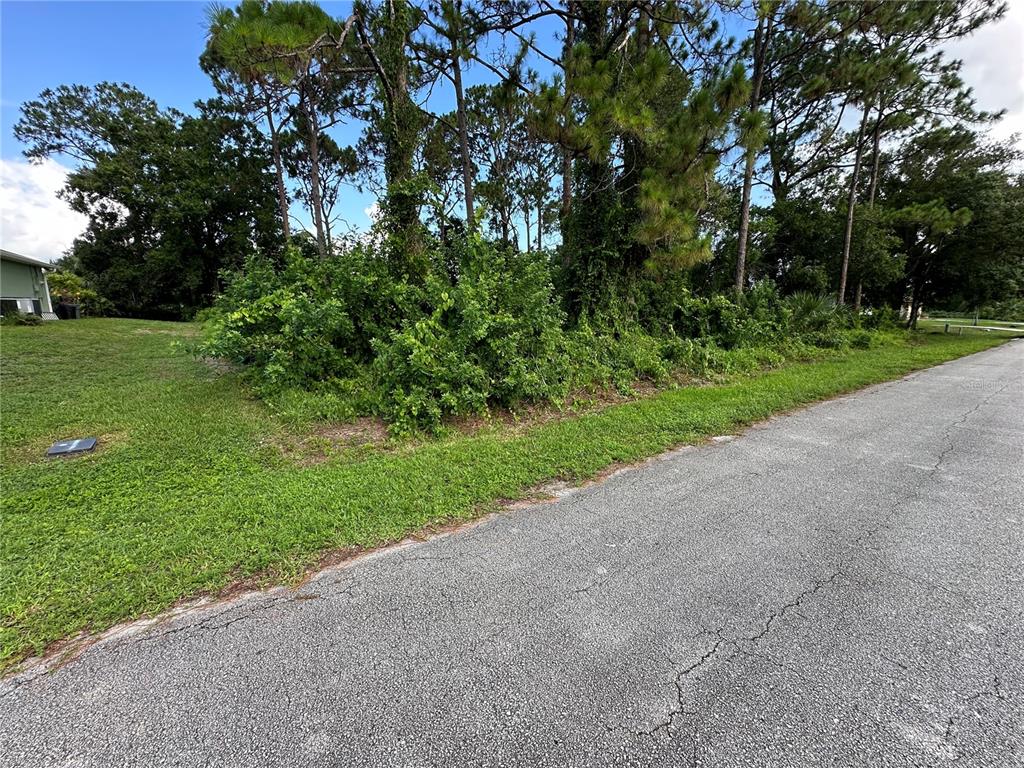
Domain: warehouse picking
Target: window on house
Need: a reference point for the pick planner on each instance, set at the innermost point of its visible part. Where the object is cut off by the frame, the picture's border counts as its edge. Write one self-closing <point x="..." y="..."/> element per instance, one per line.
<point x="25" y="306"/>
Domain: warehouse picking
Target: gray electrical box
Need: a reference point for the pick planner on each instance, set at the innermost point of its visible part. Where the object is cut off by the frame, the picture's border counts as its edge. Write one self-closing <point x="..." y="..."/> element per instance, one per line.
<point x="78" y="445"/>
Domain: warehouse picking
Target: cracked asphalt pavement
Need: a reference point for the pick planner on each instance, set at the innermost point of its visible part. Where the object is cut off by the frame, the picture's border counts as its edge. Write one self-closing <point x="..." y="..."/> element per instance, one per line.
<point x="840" y="586"/>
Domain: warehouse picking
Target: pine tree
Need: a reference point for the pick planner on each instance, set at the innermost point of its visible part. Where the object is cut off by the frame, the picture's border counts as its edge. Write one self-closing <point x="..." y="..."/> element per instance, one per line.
<point x="385" y="33"/>
<point x="299" y="52"/>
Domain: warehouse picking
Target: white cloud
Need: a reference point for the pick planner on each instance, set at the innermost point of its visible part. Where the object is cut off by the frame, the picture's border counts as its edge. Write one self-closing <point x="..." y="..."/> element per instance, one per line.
<point x="33" y="220"/>
<point x="993" y="60"/>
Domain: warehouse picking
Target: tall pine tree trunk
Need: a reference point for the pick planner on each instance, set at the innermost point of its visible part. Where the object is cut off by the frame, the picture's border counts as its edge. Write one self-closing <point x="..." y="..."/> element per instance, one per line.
<point x="467" y="166"/>
<point x="540" y="225"/>
<point x="761" y="35"/>
<point x="850" y="206"/>
<point x="875" y="161"/>
<point x="399" y="165"/>
<point x="741" y="245"/>
<point x="399" y="128"/>
<point x="915" y="302"/>
<point x="313" y="142"/>
<point x="872" y="189"/>
<point x="275" y="150"/>
<point x="325" y="217"/>
<point x="570" y="41"/>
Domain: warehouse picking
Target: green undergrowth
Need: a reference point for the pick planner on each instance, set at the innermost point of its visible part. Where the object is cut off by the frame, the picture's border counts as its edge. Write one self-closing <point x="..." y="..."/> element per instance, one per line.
<point x="339" y="338"/>
<point x="190" y="491"/>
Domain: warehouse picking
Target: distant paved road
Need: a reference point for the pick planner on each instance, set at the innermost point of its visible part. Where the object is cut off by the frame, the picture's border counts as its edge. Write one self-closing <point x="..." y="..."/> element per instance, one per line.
<point x="842" y="586"/>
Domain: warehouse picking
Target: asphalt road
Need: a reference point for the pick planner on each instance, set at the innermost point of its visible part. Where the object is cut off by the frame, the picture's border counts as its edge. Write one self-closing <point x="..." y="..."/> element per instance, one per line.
<point x="840" y="586"/>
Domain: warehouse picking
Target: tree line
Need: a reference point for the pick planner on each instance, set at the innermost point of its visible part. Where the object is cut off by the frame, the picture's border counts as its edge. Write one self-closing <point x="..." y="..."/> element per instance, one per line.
<point x="643" y="155"/>
<point x="608" y="132"/>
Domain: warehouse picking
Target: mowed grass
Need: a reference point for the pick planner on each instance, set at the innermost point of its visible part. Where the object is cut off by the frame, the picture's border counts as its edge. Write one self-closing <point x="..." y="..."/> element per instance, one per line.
<point x="188" y="493"/>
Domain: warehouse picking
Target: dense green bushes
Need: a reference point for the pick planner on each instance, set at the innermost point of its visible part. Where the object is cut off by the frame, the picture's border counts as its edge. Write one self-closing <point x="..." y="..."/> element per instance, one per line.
<point x="17" y="317"/>
<point x="305" y="321"/>
<point x="1010" y="309"/>
<point x="494" y="335"/>
<point x="340" y="337"/>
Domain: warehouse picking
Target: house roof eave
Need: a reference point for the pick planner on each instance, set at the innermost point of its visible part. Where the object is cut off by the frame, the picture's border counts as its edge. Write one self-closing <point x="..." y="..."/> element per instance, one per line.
<point x="19" y="259"/>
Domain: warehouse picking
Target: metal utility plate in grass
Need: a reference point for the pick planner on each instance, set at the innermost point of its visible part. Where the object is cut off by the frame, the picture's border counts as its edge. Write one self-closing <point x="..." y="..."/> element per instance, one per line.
<point x="78" y="445"/>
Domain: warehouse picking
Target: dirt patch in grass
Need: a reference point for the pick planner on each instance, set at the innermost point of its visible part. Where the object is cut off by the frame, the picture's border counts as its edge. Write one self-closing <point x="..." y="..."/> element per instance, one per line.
<point x="330" y="441"/>
<point x="354" y="440"/>
<point x="220" y="365"/>
<point x="359" y="432"/>
<point x="579" y="403"/>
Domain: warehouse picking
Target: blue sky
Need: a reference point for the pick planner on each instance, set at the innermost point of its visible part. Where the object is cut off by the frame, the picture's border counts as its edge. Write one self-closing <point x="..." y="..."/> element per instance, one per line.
<point x="155" y="47"/>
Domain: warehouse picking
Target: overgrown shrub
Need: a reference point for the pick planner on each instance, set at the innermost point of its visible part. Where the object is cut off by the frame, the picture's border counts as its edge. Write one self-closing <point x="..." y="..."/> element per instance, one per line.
<point x="715" y="318"/>
<point x="71" y="288"/>
<point x="331" y="339"/>
<point x="812" y="312"/>
<point x="759" y="318"/>
<point x="310" y="321"/>
<point x="860" y="338"/>
<point x="493" y="336"/>
<point x="1011" y="310"/>
<point x="881" y="319"/>
<point x="17" y="317"/>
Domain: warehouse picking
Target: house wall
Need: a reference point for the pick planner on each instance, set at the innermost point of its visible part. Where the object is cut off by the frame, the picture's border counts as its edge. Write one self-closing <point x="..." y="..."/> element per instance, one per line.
<point x="24" y="281"/>
<point x="20" y="281"/>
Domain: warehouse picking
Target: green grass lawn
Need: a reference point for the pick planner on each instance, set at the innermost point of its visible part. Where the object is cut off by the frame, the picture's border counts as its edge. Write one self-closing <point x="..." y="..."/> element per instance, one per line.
<point x="189" y="491"/>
